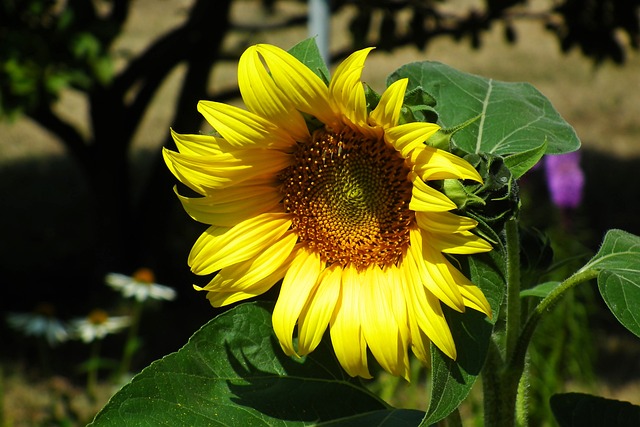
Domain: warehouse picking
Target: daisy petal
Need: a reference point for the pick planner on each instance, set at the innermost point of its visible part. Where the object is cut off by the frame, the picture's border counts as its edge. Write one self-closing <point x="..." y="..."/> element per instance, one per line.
<point x="298" y="285"/>
<point x="387" y="112"/>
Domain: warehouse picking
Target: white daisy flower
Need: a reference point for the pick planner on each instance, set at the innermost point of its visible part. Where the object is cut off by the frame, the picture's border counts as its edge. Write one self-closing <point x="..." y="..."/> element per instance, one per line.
<point x="40" y="323"/>
<point x="98" y="324"/>
<point x="141" y="286"/>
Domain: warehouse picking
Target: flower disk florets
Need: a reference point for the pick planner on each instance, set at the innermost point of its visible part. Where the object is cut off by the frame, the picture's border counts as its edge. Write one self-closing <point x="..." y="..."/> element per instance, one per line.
<point x="349" y="198"/>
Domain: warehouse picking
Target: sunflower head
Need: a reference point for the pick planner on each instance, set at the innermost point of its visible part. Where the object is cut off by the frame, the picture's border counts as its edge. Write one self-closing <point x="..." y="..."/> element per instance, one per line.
<point x="314" y="186"/>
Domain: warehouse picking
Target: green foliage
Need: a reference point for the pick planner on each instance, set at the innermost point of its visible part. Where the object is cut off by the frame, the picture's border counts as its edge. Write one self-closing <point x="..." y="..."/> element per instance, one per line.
<point x="232" y="372"/>
<point x="514" y="118"/>
<point x="451" y="381"/>
<point x="583" y="410"/>
<point x="618" y="266"/>
<point x="46" y="48"/>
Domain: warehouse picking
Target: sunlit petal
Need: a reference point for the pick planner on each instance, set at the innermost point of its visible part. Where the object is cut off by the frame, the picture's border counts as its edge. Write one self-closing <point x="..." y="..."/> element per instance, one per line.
<point x="346" y="90"/>
<point x="297" y="287"/>
<point x="387" y="112"/>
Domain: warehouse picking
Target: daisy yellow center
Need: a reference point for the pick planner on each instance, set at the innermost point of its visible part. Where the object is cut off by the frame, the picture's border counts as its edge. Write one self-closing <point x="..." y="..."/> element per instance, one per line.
<point x="98" y="317"/>
<point x="349" y="198"/>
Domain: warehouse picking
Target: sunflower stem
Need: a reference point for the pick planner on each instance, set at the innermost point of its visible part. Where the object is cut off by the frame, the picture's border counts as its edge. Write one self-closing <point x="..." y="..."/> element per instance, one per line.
<point x="132" y="343"/>
<point x="516" y="363"/>
<point x="491" y="385"/>
<point x="502" y="411"/>
<point x="514" y="370"/>
<point x="513" y="286"/>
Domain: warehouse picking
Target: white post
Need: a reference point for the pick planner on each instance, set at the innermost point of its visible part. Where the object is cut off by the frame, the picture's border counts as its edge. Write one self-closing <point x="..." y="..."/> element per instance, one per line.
<point x="319" y="26"/>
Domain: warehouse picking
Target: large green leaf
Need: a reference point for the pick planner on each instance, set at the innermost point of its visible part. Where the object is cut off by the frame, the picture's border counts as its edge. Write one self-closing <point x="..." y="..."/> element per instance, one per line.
<point x="514" y="117"/>
<point x="618" y="264"/>
<point x="451" y="381"/>
<point x="583" y="410"/>
<point x="232" y="372"/>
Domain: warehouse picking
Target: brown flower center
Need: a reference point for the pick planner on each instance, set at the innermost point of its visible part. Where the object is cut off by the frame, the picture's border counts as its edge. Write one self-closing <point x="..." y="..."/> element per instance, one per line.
<point x="349" y="196"/>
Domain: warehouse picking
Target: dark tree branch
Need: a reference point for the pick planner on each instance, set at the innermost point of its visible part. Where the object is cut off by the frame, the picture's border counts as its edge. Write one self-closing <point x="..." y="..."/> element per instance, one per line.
<point x="68" y="134"/>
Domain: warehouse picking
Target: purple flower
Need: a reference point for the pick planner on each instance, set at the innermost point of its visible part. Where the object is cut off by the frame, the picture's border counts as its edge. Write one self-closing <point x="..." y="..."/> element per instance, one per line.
<point x="565" y="179"/>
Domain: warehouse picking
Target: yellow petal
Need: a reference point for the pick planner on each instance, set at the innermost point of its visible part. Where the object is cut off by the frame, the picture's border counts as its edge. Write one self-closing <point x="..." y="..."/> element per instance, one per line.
<point x="387" y="112"/>
<point x="406" y="138"/>
<point x="427" y="199"/>
<point x="204" y="145"/>
<point x="471" y="294"/>
<point x="346" y="90"/>
<point x="298" y="285"/>
<point x="316" y="315"/>
<point x="306" y="91"/>
<point x="250" y="201"/>
<point x="262" y="96"/>
<point x="379" y="324"/>
<point x="220" y="299"/>
<point x="202" y="173"/>
<point x="266" y="268"/>
<point x="346" y="334"/>
<point x="444" y="222"/>
<point x="434" y="274"/>
<point x="213" y="251"/>
<point x="409" y="277"/>
<point x="425" y="308"/>
<point x="461" y="243"/>
<point x="433" y="164"/>
<point x="241" y="128"/>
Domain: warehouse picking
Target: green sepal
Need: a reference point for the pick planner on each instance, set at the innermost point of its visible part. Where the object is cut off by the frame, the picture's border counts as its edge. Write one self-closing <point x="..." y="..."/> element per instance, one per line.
<point x="371" y="97"/>
<point x="491" y="202"/>
<point x="442" y="138"/>
<point x="418" y="106"/>
<point x="520" y="163"/>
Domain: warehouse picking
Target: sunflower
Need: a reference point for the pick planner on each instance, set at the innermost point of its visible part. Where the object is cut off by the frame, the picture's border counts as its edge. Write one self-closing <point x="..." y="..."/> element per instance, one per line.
<point x="310" y="186"/>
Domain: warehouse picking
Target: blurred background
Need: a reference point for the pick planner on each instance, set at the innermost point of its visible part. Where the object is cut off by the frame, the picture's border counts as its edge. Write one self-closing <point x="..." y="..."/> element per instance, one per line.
<point x="90" y="89"/>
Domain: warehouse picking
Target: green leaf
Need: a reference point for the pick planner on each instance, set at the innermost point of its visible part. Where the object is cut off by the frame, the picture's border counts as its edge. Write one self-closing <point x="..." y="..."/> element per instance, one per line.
<point x="583" y="410"/>
<point x="451" y="381"/>
<point x="541" y="290"/>
<point x="308" y="53"/>
<point x="521" y="162"/>
<point x="386" y="418"/>
<point x="515" y="117"/>
<point x="618" y="264"/>
<point x="233" y="372"/>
